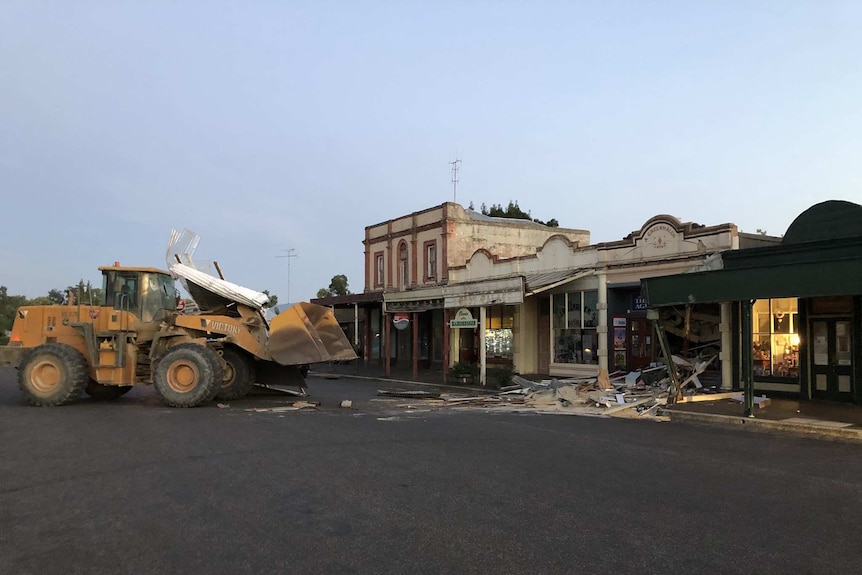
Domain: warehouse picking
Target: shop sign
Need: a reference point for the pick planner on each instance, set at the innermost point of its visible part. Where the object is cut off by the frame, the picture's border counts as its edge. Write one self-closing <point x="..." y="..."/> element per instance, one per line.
<point x="638" y="302"/>
<point x="401" y="321"/>
<point x="463" y="319"/>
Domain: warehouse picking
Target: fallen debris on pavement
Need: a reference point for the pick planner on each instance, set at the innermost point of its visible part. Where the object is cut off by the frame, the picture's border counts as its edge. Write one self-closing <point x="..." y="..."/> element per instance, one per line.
<point x="636" y="394"/>
<point x="408" y="393"/>
<point x="295" y="406"/>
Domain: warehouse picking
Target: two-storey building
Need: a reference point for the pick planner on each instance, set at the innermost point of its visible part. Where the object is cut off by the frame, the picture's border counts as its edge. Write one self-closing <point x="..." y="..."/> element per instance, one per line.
<point x="409" y="259"/>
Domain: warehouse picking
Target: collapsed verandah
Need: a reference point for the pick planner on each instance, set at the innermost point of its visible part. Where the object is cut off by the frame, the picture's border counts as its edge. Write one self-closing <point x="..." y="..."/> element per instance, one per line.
<point x="819" y="261"/>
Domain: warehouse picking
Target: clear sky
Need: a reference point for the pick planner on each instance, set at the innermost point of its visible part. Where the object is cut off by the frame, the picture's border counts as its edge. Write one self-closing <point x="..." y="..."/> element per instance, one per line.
<point x="268" y="125"/>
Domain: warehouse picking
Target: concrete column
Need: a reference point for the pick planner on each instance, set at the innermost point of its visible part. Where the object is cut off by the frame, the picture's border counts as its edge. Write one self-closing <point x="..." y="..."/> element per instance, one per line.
<point x="726" y="353"/>
<point x="483" y="312"/>
<point x="602" y="330"/>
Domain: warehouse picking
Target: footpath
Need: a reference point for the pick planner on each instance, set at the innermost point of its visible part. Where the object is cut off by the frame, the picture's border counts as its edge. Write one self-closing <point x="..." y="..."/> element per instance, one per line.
<point x="820" y="419"/>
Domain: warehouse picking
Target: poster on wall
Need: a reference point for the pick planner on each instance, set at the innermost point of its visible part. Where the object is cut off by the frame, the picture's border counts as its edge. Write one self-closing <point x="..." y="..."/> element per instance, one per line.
<point x="620" y="359"/>
<point x="619" y="338"/>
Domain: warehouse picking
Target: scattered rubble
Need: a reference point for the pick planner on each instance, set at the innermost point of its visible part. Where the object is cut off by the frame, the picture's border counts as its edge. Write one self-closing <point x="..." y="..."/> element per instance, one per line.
<point x="409" y="393"/>
<point x="637" y="394"/>
<point x="759" y="402"/>
<point x="295" y="406"/>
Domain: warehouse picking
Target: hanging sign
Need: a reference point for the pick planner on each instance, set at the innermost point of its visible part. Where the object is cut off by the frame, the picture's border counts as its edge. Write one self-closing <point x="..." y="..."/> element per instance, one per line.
<point x="463" y="319"/>
<point x="400" y="321"/>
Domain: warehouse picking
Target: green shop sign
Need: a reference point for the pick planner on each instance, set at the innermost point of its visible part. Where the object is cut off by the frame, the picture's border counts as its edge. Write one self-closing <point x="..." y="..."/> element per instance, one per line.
<point x="463" y="319"/>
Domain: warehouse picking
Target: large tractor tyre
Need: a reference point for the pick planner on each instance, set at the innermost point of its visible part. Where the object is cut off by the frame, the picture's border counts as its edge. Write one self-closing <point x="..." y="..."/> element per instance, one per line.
<point x="101" y="392"/>
<point x="188" y="375"/>
<point x="52" y="374"/>
<point x="239" y="375"/>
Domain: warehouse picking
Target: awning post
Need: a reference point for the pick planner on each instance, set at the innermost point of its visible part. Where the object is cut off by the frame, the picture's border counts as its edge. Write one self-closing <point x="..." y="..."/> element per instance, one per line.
<point x="747" y="357"/>
<point x="674" y="394"/>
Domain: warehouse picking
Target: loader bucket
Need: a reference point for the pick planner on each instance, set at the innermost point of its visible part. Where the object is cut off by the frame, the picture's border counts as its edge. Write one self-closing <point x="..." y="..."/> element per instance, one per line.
<point x="307" y="333"/>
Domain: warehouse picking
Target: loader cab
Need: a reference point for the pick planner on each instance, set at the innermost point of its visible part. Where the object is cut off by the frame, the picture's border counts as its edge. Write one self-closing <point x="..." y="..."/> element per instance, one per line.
<point x="148" y="293"/>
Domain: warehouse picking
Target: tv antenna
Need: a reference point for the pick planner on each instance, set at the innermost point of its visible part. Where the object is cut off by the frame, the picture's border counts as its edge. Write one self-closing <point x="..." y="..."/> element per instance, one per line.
<point x="288" y="255"/>
<point x="455" y="179"/>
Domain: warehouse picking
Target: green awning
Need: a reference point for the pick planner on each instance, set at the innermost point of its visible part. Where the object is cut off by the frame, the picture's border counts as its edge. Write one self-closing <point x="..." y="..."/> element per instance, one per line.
<point x="808" y="279"/>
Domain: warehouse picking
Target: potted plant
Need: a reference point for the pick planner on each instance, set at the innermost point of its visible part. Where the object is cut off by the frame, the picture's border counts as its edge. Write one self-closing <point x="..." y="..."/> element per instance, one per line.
<point x="464" y="372"/>
<point x="499" y="376"/>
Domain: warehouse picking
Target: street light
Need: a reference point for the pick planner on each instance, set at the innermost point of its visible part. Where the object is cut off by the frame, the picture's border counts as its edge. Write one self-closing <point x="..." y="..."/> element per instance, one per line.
<point x="288" y="255"/>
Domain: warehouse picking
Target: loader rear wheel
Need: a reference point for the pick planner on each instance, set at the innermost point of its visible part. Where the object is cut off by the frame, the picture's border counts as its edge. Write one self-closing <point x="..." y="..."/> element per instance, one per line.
<point x="188" y="375"/>
<point x="101" y="392"/>
<point x="52" y="374"/>
<point x="239" y="375"/>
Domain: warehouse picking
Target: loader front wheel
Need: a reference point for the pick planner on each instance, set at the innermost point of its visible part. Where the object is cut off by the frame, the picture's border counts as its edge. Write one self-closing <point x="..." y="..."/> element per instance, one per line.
<point x="239" y="375"/>
<point x="52" y="374"/>
<point x="188" y="375"/>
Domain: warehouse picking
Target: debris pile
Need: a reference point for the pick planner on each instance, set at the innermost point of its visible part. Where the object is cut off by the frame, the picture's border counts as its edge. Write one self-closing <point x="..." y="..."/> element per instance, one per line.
<point x="635" y="394"/>
<point x="295" y="406"/>
<point x="617" y="394"/>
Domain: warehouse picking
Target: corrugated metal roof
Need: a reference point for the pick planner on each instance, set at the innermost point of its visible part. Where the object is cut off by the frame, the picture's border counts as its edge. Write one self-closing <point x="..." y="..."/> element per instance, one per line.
<point x="540" y="282"/>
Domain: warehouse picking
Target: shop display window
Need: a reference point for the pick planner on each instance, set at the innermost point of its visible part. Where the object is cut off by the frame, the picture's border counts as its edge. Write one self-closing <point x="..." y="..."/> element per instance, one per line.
<point x="574" y="319"/>
<point x="776" y="337"/>
<point x="499" y="334"/>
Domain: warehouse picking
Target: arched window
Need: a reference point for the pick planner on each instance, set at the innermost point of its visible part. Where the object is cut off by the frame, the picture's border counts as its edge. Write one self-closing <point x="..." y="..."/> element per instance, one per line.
<point x="402" y="265"/>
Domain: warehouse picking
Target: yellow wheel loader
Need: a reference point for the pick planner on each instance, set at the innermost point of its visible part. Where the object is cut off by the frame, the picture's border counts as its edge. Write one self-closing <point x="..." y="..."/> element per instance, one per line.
<point x="136" y="335"/>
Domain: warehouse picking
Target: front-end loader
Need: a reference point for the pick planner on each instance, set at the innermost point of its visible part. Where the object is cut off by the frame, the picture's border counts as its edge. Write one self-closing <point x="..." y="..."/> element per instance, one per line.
<point x="137" y="335"/>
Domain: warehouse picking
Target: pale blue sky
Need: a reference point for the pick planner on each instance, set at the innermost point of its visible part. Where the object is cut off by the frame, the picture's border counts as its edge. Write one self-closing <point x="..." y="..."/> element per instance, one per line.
<point x="273" y="125"/>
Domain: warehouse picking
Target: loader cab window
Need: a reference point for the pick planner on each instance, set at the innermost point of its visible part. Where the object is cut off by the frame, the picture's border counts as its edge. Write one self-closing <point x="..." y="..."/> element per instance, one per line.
<point x="160" y="296"/>
<point x="121" y="290"/>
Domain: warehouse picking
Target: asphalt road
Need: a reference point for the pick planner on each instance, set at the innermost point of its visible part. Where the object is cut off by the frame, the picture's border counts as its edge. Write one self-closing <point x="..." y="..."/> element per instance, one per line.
<point x="135" y="487"/>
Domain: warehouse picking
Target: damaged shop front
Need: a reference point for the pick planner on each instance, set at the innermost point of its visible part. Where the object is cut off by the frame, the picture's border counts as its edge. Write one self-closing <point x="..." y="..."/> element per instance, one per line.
<point x="582" y="311"/>
<point x="795" y="307"/>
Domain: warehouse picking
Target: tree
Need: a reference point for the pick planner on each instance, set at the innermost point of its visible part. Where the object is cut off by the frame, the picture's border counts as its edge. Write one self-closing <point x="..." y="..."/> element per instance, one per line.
<point x="9" y="304"/>
<point x="84" y="294"/>
<point x="57" y="296"/>
<point x="338" y="286"/>
<point x="513" y="210"/>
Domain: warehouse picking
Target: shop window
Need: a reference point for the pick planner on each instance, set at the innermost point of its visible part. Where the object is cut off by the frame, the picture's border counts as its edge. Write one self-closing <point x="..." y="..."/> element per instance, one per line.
<point x="776" y="337"/>
<point x="499" y="334"/>
<point x="574" y="319"/>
